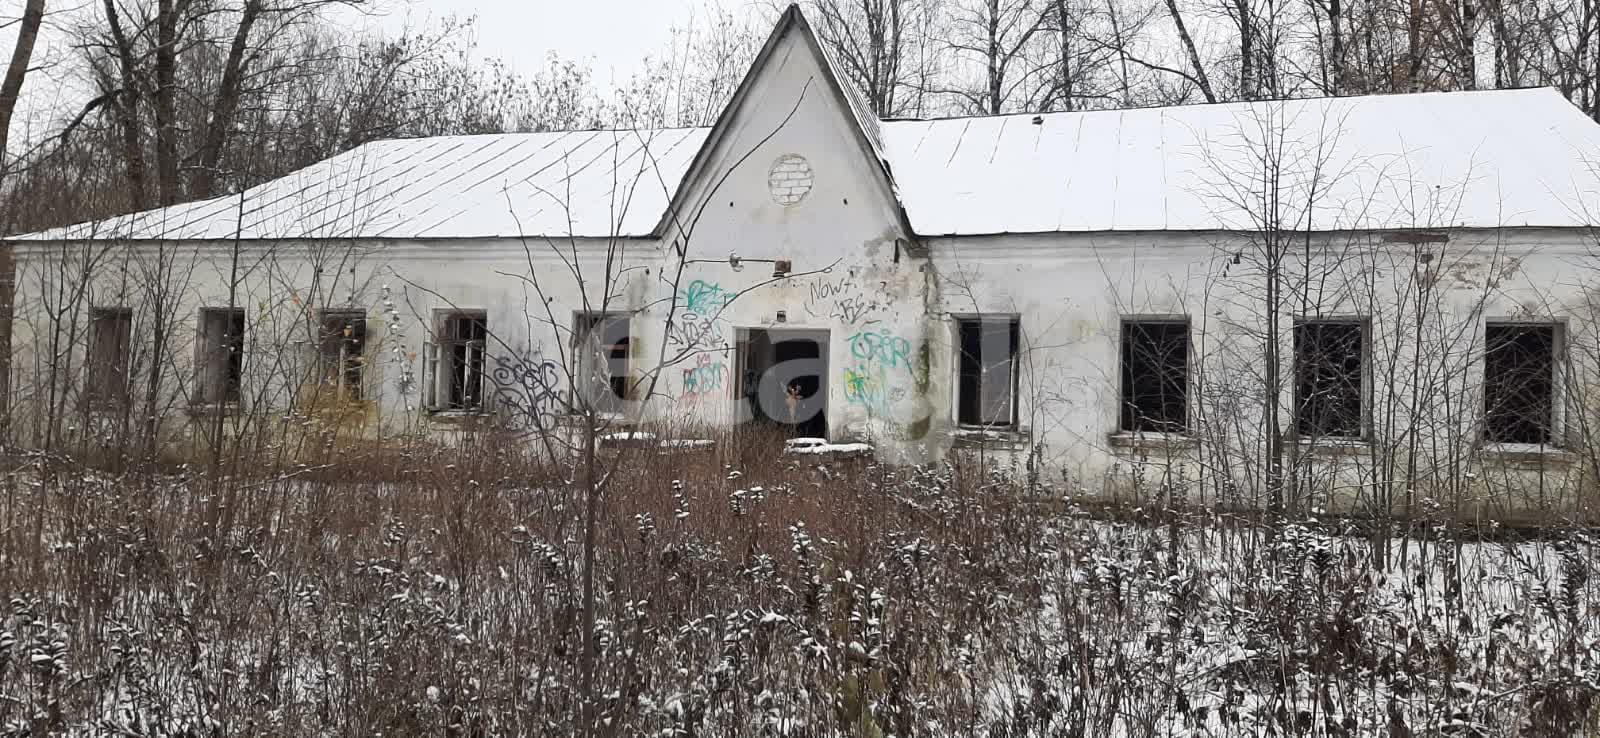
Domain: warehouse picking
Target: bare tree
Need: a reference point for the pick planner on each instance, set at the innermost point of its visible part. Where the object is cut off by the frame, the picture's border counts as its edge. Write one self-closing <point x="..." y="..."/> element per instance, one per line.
<point x="10" y="91"/>
<point x="876" y="44"/>
<point x="996" y="39"/>
<point x="1197" y="69"/>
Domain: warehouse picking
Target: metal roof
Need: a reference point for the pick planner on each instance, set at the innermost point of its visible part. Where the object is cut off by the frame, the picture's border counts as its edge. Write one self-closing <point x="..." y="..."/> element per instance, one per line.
<point x="582" y="183"/>
<point x="1462" y="159"/>
<point x="1451" y="159"/>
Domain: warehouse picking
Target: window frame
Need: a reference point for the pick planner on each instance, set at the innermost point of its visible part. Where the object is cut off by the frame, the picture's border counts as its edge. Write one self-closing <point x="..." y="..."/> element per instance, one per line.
<point x="959" y="321"/>
<point x="344" y="363"/>
<point x="1363" y="325"/>
<point x="584" y="323"/>
<point x="437" y="385"/>
<point x="231" y="392"/>
<point x="1556" y="434"/>
<point x="1125" y="323"/>
<point x="121" y="364"/>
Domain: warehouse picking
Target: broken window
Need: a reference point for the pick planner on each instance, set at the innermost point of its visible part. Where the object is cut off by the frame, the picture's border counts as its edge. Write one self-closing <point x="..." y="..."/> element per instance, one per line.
<point x="1519" y="372"/>
<point x="342" y="347"/>
<point x="602" y="359"/>
<point x="110" y="331"/>
<point x="986" y="386"/>
<point x="1328" y="378"/>
<point x="1155" y="376"/>
<point x="454" y="362"/>
<point x="221" y="355"/>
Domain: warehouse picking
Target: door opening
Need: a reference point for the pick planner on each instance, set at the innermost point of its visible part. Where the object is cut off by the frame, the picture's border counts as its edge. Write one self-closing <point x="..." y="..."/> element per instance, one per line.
<point x="783" y="378"/>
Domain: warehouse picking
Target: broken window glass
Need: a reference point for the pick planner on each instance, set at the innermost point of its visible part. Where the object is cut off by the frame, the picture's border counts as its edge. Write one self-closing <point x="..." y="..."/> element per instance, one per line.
<point x="986" y="387"/>
<point x="1328" y="378"/>
<point x="1519" y="383"/>
<point x="110" y="331"/>
<point x="1155" y="376"/>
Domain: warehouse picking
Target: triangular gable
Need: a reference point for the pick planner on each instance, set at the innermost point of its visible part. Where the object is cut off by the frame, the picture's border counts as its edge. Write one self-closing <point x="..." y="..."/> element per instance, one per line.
<point x="861" y="121"/>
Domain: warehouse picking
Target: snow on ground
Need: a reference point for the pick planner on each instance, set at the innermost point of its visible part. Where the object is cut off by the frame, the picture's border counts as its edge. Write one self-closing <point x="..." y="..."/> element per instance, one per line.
<point x="821" y="446"/>
<point x="743" y="604"/>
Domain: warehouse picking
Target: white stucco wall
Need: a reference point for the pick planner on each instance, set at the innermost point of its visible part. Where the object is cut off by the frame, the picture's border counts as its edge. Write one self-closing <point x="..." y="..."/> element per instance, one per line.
<point x="1070" y="293"/>
<point x="790" y="180"/>
<point x="1424" y="404"/>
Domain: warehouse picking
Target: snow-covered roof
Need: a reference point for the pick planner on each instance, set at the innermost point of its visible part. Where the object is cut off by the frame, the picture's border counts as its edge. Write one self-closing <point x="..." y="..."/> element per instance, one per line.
<point x="581" y="183"/>
<point x="1457" y="159"/>
<point x="1461" y="159"/>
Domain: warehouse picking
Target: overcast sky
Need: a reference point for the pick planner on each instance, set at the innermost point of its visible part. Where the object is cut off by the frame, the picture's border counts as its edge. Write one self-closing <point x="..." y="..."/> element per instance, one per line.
<point x="612" y="36"/>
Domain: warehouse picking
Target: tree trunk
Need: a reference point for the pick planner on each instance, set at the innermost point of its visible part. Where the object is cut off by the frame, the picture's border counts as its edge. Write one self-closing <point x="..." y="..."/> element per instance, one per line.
<point x="1413" y="47"/>
<point x="127" y="109"/>
<point x="996" y="81"/>
<point x="1594" y="73"/>
<point x="1194" y="54"/>
<point x="226" y="105"/>
<point x="1247" y="51"/>
<point x="1066" y="71"/>
<point x="166" y="106"/>
<point x="17" y="70"/>
<point x="1336" y="53"/>
<point x="10" y="90"/>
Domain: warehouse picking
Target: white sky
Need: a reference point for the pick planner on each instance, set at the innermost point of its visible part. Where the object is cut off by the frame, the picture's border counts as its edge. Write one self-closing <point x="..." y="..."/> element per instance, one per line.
<point x="612" y="36"/>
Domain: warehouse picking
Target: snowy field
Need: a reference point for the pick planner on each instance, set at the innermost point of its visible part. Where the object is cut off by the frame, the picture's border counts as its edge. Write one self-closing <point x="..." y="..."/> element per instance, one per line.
<point x="796" y="599"/>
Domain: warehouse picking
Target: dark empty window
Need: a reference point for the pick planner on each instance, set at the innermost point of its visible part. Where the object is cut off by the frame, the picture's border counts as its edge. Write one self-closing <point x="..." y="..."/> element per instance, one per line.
<point x="986" y="386"/>
<point x="110" y="330"/>
<point x="1328" y="374"/>
<point x="602" y="355"/>
<point x="221" y="354"/>
<point x="1155" y="376"/>
<point x="1519" y="383"/>
<point x="456" y="361"/>
<point x="342" y="345"/>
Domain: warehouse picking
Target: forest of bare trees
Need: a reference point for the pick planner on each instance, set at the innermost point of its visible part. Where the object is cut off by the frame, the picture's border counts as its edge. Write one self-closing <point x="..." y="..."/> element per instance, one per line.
<point x="188" y="99"/>
<point x="287" y="580"/>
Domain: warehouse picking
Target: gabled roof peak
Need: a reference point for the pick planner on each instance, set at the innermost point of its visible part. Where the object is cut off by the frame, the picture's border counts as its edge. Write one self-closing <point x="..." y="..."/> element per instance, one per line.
<point x="855" y="107"/>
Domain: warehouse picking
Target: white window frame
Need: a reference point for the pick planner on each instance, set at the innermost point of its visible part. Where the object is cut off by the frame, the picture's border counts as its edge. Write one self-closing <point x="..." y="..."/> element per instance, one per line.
<point x="1013" y="381"/>
<point x="436" y="382"/>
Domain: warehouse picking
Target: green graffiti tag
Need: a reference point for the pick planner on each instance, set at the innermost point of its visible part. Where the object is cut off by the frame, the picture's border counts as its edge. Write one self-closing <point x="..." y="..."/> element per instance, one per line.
<point x="705" y="298"/>
<point x="882" y="347"/>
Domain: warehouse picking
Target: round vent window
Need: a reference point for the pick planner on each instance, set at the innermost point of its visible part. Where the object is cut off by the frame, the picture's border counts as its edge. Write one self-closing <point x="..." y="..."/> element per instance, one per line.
<point x="790" y="179"/>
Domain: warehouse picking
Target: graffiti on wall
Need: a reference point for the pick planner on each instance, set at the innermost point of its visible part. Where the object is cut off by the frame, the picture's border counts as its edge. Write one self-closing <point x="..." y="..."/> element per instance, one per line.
<point x="855" y="309"/>
<point x="705" y="379"/>
<point x="692" y="330"/>
<point x="865" y="387"/>
<point x="883" y="371"/>
<point x="705" y="298"/>
<point x="841" y="300"/>
<point x="528" y="390"/>
<point x="697" y="325"/>
<point x="881" y="347"/>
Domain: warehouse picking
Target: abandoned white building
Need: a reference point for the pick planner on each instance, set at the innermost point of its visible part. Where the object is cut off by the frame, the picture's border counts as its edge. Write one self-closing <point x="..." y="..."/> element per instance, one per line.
<point x="1356" y="299"/>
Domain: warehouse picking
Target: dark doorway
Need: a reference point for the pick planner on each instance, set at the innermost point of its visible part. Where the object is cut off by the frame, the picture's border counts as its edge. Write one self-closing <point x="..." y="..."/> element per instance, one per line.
<point x="783" y="378"/>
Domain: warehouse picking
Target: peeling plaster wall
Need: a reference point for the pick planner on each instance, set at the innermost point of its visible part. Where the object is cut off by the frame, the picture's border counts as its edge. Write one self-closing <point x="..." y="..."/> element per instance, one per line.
<point x="529" y="295"/>
<point x="790" y="181"/>
<point x="1422" y="447"/>
<point x="892" y="356"/>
